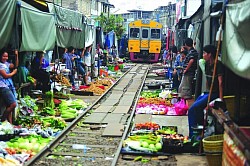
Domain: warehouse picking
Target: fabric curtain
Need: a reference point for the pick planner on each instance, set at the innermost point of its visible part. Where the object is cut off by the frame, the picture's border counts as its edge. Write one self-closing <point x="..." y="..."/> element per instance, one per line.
<point x="69" y="27"/>
<point x="38" y="30"/>
<point x="7" y="16"/>
<point x="111" y="36"/>
<point x="89" y="35"/>
<point x="236" y="40"/>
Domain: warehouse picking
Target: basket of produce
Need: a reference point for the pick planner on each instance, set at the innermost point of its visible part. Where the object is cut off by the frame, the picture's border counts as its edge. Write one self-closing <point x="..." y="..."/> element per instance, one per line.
<point x="148" y="143"/>
<point x="172" y="143"/>
<point x="146" y="126"/>
<point x="160" y="72"/>
<point x="60" y="95"/>
<point x="7" y="131"/>
<point x="7" y="137"/>
<point x="154" y="85"/>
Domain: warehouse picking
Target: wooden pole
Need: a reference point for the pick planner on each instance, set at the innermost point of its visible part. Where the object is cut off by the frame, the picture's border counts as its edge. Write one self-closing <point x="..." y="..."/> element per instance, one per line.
<point x="211" y="86"/>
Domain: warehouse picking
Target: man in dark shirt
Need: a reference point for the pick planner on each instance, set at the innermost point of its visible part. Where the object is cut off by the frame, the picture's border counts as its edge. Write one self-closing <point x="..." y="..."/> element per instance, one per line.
<point x="195" y="112"/>
<point x="190" y="66"/>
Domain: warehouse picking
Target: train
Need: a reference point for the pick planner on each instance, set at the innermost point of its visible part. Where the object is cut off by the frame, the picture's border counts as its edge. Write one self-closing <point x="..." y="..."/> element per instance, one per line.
<point x="144" y="41"/>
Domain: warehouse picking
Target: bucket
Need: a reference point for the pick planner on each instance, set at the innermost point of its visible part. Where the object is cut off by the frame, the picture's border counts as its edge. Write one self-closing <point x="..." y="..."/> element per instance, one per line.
<point x="213" y="147"/>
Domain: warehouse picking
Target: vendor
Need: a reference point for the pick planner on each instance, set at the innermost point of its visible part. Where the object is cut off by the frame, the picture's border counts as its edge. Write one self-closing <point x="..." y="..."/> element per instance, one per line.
<point x="178" y="68"/>
<point x="7" y="89"/>
<point x="195" y="112"/>
<point x="39" y="72"/>
<point x="105" y="58"/>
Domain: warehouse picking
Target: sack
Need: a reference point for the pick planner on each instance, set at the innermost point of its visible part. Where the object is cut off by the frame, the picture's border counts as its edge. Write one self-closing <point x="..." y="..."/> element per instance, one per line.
<point x="181" y="107"/>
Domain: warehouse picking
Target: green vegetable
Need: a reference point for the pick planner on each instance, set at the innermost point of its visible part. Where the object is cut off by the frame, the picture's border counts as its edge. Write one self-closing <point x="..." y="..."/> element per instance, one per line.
<point x="145" y="160"/>
<point x="138" y="158"/>
<point x="49" y="100"/>
<point x="158" y="146"/>
<point x="144" y="144"/>
<point x="68" y="116"/>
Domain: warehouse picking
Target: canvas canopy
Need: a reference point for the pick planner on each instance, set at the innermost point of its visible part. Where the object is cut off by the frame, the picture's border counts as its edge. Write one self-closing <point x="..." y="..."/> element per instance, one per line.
<point x="89" y="35"/>
<point x="70" y="27"/>
<point x="7" y="13"/>
<point x="38" y="29"/>
<point x="236" y="39"/>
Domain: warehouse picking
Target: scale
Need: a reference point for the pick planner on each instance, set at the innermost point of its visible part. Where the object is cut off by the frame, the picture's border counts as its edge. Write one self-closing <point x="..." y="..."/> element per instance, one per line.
<point x="174" y="100"/>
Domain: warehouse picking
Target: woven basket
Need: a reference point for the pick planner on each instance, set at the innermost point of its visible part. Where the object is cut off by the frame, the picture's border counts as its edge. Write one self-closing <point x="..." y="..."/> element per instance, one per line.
<point x="213" y="144"/>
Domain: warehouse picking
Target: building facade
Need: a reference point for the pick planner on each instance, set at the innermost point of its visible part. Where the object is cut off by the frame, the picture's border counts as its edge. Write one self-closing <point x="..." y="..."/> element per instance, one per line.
<point x="90" y="8"/>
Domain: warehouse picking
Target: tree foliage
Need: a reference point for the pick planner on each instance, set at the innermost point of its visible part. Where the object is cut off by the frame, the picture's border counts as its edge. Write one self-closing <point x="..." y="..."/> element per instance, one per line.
<point x="111" y="23"/>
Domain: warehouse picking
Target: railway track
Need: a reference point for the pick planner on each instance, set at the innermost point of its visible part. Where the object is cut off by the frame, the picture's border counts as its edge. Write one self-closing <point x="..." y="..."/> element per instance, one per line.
<point x="95" y="137"/>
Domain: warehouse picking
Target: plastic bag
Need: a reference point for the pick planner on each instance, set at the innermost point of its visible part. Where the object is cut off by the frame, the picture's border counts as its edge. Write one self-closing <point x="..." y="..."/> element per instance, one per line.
<point x="171" y="111"/>
<point x="181" y="107"/>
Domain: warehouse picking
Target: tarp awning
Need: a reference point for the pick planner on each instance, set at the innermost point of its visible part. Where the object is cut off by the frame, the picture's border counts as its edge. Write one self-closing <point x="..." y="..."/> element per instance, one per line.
<point x="236" y="39"/>
<point x="70" y="27"/>
<point x="38" y="29"/>
<point x="7" y="13"/>
<point x="89" y="35"/>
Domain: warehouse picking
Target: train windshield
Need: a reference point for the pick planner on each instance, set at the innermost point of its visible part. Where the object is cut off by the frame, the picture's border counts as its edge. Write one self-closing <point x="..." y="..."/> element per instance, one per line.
<point x="144" y="33"/>
<point x="155" y="33"/>
<point x="134" y="32"/>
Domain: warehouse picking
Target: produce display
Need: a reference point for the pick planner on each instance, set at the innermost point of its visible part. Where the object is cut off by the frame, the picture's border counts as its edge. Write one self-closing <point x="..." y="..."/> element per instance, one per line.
<point x="151" y="109"/>
<point x="31" y="80"/>
<point x="35" y="126"/>
<point x="150" y="137"/>
<point x="30" y="144"/>
<point x="60" y="95"/>
<point x="150" y="94"/>
<point x="161" y="102"/>
<point x="99" y="86"/>
<point x="48" y="100"/>
<point x="146" y="126"/>
<point x="154" y="101"/>
<point x="17" y="150"/>
<point x="167" y="130"/>
<point x="145" y="143"/>
<point x="62" y="79"/>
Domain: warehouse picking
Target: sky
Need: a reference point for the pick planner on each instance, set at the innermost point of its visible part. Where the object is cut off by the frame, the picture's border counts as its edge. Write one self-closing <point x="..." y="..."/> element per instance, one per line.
<point x="123" y="5"/>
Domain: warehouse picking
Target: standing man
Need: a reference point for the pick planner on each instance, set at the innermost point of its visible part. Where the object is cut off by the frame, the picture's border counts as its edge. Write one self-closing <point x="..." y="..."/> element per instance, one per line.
<point x="195" y="113"/>
<point x="87" y="62"/>
<point x="69" y="58"/>
<point x="190" y="66"/>
<point x="178" y="68"/>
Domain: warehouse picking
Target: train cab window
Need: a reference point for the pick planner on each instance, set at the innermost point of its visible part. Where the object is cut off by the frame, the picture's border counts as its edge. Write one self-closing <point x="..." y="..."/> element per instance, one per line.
<point x="145" y="33"/>
<point x="155" y="33"/>
<point x="134" y="32"/>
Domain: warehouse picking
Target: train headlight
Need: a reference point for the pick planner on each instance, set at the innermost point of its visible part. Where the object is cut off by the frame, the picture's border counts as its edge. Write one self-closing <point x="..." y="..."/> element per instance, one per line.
<point x="157" y="49"/>
<point x="131" y="48"/>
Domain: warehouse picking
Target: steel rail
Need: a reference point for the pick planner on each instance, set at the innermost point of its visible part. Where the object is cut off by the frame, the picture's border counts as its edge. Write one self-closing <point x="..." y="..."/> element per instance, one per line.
<point x="55" y="142"/>
<point x="116" y="157"/>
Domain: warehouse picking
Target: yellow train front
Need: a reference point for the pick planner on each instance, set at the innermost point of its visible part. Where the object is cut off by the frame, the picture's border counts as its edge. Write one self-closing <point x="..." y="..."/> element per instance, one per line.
<point x="144" y="43"/>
